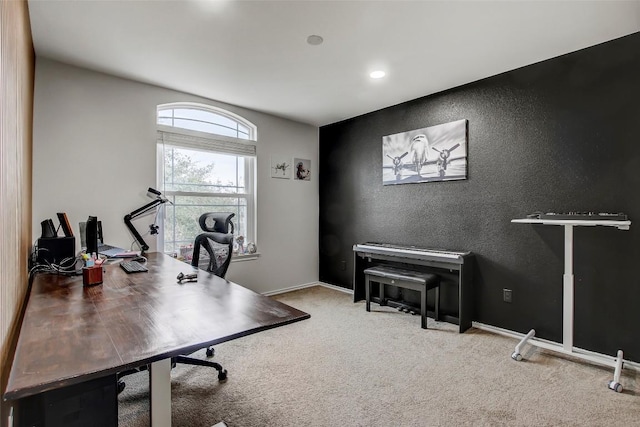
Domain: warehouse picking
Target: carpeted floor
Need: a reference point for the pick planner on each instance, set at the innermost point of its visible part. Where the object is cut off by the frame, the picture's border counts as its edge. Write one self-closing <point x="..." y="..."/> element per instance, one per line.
<point x="347" y="367"/>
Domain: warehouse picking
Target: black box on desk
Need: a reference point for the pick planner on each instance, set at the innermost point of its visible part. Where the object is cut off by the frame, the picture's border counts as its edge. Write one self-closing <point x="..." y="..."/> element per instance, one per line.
<point x="55" y="249"/>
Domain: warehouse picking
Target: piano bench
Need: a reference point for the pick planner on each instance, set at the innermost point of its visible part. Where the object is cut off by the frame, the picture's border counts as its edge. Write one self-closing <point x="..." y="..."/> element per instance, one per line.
<point x="408" y="279"/>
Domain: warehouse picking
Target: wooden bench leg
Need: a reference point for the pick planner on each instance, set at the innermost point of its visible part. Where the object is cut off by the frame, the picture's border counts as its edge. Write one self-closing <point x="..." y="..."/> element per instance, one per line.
<point x="367" y="289"/>
<point x="423" y="308"/>
<point x="383" y="300"/>
<point x="437" y="303"/>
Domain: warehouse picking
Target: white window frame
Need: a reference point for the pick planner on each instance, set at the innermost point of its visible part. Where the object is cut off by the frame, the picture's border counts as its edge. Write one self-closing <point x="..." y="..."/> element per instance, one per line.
<point x="191" y="139"/>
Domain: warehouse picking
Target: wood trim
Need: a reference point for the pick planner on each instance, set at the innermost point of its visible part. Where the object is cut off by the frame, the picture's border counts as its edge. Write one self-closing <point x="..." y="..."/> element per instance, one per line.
<point x="17" y="69"/>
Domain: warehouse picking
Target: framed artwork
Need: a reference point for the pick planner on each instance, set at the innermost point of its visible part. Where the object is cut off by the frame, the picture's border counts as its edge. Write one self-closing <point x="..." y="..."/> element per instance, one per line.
<point x="435" y="153"/>
<point x="302" y="169"/>
<point x="280" y="167"/>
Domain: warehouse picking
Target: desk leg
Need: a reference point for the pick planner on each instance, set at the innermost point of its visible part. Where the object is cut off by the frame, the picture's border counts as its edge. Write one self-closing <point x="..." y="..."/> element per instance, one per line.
<point x="567" y="296"/>
<point x="615" y="384"/>
<point x="160" y="387"/>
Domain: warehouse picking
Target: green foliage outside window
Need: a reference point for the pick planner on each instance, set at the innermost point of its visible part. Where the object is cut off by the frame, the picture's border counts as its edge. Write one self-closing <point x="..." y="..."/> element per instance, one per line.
<point x="184" y="173"/>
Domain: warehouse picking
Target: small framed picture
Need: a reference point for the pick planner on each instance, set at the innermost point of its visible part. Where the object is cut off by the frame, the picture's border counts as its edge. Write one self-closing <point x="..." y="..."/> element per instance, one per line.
<point x="302" y="169"/>
<point x="280" y="167"/>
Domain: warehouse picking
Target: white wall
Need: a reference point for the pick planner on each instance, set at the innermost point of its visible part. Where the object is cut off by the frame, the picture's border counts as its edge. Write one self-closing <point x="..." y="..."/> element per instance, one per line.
<point x="94" y="153"/>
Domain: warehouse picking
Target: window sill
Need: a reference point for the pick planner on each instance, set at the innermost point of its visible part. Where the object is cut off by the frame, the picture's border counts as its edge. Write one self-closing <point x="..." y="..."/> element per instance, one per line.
<point x="234" y="258"/>
<point x="244" y="257"/>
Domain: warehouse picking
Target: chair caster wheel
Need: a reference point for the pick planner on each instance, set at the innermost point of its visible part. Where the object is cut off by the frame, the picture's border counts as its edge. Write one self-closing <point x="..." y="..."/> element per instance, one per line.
<point x="516" y="356"/>
<point x="121" y="386"/>
<point x="210" y="352"/>
<point x="615" y="386"/>
<point x="222" y="375"/>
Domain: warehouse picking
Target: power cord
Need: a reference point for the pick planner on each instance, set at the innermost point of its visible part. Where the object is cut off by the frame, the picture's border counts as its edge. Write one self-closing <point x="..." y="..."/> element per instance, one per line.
<point x="66" y="266"/>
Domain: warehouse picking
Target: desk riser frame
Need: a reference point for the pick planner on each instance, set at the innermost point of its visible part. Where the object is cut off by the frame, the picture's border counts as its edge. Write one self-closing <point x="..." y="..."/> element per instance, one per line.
<point x="568" y="292"/>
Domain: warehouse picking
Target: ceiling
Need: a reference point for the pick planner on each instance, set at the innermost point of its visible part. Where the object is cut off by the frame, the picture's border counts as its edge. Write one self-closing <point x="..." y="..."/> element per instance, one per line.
<point x="254" y="54"/>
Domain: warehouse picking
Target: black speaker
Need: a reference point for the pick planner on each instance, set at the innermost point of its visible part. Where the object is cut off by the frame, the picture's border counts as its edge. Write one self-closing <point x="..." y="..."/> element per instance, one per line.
<point x="92" y="235"/>
<point x="48" y="229"/>
<point x="54" y="249"/>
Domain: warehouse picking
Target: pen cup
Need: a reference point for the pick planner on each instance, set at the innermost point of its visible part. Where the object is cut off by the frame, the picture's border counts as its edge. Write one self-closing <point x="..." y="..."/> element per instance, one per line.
<point x="91" y="275"/>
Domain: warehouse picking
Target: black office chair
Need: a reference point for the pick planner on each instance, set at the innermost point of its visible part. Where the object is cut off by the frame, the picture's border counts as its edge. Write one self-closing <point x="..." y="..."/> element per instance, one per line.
<point x="217" y="240"/>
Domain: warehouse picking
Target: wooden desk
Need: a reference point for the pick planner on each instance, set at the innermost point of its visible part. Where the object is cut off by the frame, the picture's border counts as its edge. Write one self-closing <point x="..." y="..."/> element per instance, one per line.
<point x="71" y="334"/>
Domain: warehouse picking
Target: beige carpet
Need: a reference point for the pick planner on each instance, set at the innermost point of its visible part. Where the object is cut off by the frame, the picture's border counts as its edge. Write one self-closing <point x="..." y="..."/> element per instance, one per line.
<point x="347" y="367"/>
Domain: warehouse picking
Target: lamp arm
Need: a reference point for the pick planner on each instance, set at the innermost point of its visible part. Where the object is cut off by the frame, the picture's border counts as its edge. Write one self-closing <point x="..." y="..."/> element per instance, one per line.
<point x="146" y="208"/>
<point x="128" y="217"/>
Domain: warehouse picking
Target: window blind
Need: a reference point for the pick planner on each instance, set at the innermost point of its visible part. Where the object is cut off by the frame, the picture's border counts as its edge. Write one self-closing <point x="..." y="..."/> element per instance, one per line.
<point x="230" y="146"/>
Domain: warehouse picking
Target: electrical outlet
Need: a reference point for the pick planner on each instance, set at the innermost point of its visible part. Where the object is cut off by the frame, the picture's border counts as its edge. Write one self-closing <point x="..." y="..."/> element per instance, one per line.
<point x="507" y="295"/>
<point x="343" y="265"/>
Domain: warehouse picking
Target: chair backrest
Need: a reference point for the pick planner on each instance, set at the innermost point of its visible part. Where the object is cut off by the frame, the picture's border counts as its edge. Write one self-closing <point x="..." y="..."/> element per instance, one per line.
<point x="217" y="240"/>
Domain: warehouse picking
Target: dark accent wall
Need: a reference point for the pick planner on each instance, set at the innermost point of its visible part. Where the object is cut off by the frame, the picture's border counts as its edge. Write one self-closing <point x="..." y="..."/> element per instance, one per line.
<point x="557" y="136"/>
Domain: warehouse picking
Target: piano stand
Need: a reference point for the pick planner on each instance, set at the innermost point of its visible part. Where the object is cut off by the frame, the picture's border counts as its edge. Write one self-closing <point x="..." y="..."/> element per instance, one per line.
<point x="566" y="347"/>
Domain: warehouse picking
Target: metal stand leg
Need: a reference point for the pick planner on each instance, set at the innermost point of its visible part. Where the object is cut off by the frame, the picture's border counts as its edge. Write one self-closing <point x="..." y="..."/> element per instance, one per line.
<point x="516" y="353"/>
<point x="567" y="290"/>
<point x="615" y="384"/>
<point x="160" y="387"/>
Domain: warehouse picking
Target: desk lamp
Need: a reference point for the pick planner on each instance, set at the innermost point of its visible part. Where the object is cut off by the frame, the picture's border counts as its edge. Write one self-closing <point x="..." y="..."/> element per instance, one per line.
<point x="159" y="199"/>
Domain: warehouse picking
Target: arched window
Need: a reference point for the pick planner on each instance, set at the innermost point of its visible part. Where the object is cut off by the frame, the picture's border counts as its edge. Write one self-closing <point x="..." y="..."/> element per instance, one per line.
<point x="206" y="163"/>
<point x="207" y="119"/>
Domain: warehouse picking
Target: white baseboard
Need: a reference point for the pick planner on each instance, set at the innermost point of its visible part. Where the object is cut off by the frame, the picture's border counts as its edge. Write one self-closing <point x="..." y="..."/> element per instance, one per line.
<point x="307" y="285"/>
<point x="289" y="289"/>
<point x="336" y="288"/>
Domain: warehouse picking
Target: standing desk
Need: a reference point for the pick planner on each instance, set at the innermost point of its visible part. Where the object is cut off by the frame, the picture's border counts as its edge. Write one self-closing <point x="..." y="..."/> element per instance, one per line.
<point x="566" y="347"/>
<point x="71" y="334"/>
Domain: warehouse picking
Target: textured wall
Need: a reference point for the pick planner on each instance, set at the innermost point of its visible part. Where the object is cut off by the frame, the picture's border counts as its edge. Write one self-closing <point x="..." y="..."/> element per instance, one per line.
<point x="16" y="101"/>
<point x="560" y="135"/>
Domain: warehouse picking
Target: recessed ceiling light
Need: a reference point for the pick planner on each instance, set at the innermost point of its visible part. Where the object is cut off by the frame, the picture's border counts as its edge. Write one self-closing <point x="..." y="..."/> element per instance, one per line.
<point x="377" y="74"/>
<point x="314" y="40"/>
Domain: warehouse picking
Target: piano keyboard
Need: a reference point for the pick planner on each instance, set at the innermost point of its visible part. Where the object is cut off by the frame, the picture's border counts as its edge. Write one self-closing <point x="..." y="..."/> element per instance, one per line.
<point x="408" y="251"/>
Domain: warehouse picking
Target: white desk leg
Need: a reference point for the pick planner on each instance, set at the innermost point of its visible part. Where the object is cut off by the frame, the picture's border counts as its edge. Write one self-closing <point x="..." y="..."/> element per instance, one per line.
<point x="160" y="388"/>
<point x="615" y="384"/>
<point x="567" y="296"/>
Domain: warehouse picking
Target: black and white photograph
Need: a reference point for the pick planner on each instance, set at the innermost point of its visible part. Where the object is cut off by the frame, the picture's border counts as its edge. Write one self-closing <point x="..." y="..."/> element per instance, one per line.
<point x="280" y="167"/>
<point x="302" y="169"/>
<point x="434" y="153"/>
